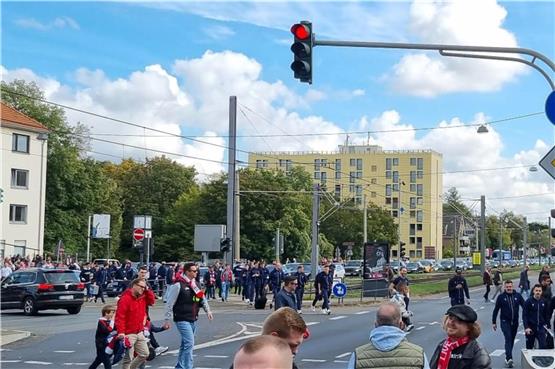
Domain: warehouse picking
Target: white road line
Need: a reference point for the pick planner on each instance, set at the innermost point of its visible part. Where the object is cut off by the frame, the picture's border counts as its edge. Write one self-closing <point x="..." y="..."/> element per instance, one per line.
<point x="76" y="364"/>
<point x="167" y="367"/>
<point x="517" y="340"/>
<point x="338" y="317"/>
<point x="312" y="323"/>
<point x="37" y="362"/>
<point x="196" y="367"/>
<point x="1" y="349"/>
<point x="314" y="360"/>
<point x="362" y="312"/>
<point x="217" y="356"/>
<point x="342" y="355"/>
<point x="420" y="328"/>
<point x="64" y="351"/>
<point x="497" y="353"/>
<point x="434" y="323"/>
<point x="341" y="361"/>
<point x="10" y="361"/>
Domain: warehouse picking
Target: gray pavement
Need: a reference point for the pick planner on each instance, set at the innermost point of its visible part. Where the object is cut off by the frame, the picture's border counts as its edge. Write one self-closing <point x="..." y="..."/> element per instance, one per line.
<point x="60" y="340"/>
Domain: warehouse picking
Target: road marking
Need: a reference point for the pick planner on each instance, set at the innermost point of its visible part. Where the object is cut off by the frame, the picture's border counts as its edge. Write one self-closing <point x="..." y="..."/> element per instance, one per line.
<point x="64" y="351"/>
<point x="362" y="312"/>
<point x="217" y="356"/>
<point x="497" y="353"/>
<point x="78" y="364"/>
<point x="314" y="360"/>
<point x="1" y="349"/>
<point x="481" y="308"/>
<point x="420" y="328"/>
<point x="434" y="323"/>
<point x="517" y="340"/>
<point x="341" y="361"/>
<point x="312" y="323"/>
<point x="10" y="361"/>
<point x="342" y="355"/>
<point x="338" y="317"/>
<point x="37" y="362"/>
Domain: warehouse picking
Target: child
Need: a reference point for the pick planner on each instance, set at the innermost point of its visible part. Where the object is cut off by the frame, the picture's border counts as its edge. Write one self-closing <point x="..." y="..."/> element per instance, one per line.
<point x="400" y="291"/>
<point x="104" y="328"/>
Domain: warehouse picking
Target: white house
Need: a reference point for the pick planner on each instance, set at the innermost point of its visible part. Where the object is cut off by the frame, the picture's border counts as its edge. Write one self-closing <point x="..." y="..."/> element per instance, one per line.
<point x="23" y="152"/>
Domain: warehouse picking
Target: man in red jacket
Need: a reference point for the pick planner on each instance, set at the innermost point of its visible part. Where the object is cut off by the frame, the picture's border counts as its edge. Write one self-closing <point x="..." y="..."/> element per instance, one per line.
<point x="130" y="321"/>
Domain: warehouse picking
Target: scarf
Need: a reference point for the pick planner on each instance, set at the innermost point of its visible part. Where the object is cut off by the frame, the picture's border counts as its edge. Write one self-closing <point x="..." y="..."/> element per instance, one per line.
<point x="448" y="346"/>
<point x="199" y="294"/>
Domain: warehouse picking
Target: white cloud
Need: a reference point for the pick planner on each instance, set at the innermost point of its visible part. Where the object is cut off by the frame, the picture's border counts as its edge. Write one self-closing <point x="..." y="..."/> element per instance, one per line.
<point x="58" y="22"/>
<point x="458" y="22"/>
<point x="218" y="32"/>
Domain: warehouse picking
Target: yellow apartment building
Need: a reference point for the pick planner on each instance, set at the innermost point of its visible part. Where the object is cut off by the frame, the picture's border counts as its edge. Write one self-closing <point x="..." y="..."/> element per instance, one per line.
<point x="408" y="183"/>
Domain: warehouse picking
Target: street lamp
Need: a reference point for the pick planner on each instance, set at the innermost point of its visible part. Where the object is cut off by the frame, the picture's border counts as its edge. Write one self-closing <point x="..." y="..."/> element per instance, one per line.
<point x="483" y="129"/>
<point x="43" y="137"/>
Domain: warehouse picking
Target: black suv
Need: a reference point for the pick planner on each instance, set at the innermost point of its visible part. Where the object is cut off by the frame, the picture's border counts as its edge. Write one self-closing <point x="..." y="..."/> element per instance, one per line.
<point x="37" y="289"/>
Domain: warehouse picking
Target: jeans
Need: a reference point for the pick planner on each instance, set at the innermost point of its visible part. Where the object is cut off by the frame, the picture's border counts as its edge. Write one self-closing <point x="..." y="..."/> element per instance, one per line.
<point x="325" y="296"/>
<point x="225" y="290"/>
<point x="509" y="331"/>
<point x="101" y="358"/>
<point x="540" y="335"/>
<point x="486" y="295"/>
<point x="300" y="293"/>
<point x="185" y="355"/>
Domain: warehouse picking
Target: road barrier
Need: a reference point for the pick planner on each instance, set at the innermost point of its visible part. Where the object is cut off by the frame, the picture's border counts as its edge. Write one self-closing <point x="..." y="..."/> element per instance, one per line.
<point x="538" y="359"/>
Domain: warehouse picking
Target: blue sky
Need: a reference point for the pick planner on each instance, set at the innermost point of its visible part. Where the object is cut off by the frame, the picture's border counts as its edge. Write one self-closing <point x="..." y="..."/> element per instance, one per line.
<point x="174" y="64"/>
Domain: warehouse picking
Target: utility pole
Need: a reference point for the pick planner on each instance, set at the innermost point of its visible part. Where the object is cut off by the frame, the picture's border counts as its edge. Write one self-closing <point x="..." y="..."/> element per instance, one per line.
<point x="482" y="234"/>
<point x="231" y="176"/>
<point x="365" y="207"/>
<point x="525" y="241"/>
<point x="276" y="245"/>
<point x="89" y="240"/>
<point x="315" y="226"/>
<point x="500" y="241"/>
<point x="236" y="244"/>
<point x="455" y="240"/>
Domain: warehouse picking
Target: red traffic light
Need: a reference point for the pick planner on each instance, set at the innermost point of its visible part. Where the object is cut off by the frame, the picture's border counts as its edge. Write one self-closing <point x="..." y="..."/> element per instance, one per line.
<point x="300" y="31"/>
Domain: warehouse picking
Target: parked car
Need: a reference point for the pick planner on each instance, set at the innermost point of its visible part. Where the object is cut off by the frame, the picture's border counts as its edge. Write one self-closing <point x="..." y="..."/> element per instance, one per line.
<point x="462" y="264"/>
<point x="35" y="289"/>
<point x="106" y="262"/>
<point x="353" y="267"/>
<point x="427" y="266"/>
<point x="414" y="267"/>
<point x="396" y="264"/>
<point x="446" y="265"/>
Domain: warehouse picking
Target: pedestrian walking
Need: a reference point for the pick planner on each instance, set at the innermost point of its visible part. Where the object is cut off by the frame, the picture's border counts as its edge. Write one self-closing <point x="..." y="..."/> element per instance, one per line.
<point x="286" y="296"/>
<point x="508" y="303"/>
<point x="497" y="283"/>
<point x="460" y="350"/>
<point x="399" y="299"/>
<point x="237" y="272"/>
<point x="535" y="319"/>
<point x="276" y="278"/>
<point x="486" y="278"/>
<point x="263" y="352"/>
<point x="402" y="277"/>
<point x="209" y="279"/>
<point x="321" y="288"/>
<point x="388" y="346"/>
<point x="299" y="291"/>
<point x="100" y="280"/>
<point x="543" y="272"/>
<point x="161" y="276"/>
<point x="184" y="299"/>
<point x="130" y="321"/>
<point x="104" y="327"/>
<point x="458" y="289"/>
<point x="524" y="283"/>
<point x="227" y="280"/>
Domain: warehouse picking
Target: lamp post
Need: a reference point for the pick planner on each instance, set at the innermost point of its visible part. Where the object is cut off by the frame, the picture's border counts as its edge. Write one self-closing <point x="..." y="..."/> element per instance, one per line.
<point x="43" y="137"/>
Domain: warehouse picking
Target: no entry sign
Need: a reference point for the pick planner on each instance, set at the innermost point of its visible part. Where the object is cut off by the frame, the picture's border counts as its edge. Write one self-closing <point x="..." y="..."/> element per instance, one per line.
<point x="138" y="234"/>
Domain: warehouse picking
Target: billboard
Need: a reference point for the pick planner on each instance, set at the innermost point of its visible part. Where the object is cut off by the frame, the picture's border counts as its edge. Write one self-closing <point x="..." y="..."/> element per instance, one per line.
<point x="376" y="257"/>
<point x="101" y="226"/>
<point x="208" y="237"/>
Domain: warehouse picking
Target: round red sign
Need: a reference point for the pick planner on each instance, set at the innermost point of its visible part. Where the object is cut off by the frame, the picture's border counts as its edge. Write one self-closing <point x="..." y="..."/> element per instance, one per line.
<point x="138" y="234"/>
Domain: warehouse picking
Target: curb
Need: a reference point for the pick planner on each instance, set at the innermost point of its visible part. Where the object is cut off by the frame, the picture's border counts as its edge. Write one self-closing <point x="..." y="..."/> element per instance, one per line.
<point x="11" y="336"/>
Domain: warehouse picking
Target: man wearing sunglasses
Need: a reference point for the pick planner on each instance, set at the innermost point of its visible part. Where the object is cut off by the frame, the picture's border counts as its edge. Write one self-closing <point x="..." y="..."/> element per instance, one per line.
<point x="184" y="299"/>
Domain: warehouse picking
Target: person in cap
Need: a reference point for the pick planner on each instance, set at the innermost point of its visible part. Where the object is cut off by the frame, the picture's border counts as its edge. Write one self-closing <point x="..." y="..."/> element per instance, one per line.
<point x="460" y="350"/>
<point x="388" y="346"/>
<point x="458" y="289"/>
<point x="286" y="296"/>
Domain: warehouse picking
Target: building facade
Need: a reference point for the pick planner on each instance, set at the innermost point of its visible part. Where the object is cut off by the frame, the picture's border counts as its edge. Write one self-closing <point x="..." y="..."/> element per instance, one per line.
<point x="407" y="183"/>
<point x="23" y="157"/>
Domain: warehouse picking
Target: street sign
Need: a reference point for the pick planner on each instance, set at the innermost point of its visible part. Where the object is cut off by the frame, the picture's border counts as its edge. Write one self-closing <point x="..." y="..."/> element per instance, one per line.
<point x="476" y="258"/>
<point x="548" y="162"/>
<point x="138" y="234"/>
<point x="550" y="107"/>
<point x="339" y="290"/>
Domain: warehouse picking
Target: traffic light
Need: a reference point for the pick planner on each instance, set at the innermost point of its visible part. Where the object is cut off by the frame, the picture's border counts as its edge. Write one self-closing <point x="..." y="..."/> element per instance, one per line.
<point x="225" y="244"/>
<point x="402" y="248"/>
<point x="302" y="49"/>
<point x="551" y="230"/>
<point x="1" y="195"/>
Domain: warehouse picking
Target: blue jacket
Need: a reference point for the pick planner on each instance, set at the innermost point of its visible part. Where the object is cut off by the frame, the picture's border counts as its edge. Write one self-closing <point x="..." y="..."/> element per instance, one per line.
<point x="276" y="277"/>
<point x="535" y="313"/>
<point x="322" y="282"/>
<point x="301" y="280"/>
<point x="509" y="306"/>
<point x="284" y="298"/>
<point x="458" y="294"/>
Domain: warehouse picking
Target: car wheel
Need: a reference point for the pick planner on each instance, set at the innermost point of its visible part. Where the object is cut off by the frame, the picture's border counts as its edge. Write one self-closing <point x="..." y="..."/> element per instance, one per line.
<point x="29" y="306"/>
<point x="74" y="310"/>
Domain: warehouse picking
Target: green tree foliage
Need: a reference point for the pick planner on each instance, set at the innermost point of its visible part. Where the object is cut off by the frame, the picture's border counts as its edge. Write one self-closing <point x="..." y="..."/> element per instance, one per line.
<point x="452" y="204"/>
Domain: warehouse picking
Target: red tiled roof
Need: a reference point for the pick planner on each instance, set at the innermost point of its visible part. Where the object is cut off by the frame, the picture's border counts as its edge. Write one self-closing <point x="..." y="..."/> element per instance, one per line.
<point x="13" y="117"/>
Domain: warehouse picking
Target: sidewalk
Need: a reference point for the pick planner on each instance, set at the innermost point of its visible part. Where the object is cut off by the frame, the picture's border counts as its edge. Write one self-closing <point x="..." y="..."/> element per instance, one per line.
<point x="10" y="336"/>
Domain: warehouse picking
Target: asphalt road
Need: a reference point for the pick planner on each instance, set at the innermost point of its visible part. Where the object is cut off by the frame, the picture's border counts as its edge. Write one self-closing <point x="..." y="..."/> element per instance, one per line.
<point x="60" y="340"/>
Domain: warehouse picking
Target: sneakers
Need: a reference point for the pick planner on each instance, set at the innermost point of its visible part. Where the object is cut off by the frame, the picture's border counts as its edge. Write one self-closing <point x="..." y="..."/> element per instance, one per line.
<point x="492" y="301"/>
<point x="160" y="350"/>
<point x="299" y="311"/>
<point x="324" y="311"/>
<point x="509" y="363"/>
<point x="313" y="308"/>
<point x="247" y="301"/>
<point x="328" y="311"/>
<point x="410" y="327"/>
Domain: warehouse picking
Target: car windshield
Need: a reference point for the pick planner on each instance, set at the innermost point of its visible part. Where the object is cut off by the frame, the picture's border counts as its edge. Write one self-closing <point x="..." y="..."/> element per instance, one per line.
<point x="352" y="263"/>
<point x="61" y="276"/>
<point x="412" y="265"/>
<point x="425" y="262"/>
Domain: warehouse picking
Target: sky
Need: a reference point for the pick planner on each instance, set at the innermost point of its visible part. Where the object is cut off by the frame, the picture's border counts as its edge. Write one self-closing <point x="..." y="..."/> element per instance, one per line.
<point x="172" y="66"/>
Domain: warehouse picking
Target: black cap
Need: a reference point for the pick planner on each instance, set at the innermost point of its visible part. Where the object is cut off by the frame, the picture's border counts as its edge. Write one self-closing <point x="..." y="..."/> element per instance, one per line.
<point x="458" y="270"/>
<point x="463" y="312"/>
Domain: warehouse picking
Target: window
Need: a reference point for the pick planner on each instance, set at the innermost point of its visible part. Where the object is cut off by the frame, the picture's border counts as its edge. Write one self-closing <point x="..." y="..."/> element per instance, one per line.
<point x="316" y="175"/>
<point x="419" y="242"/>
<point x="352" y="176"/>
<point x="394" y="253"/>
<point x="20" y="143"/>
<point x="281" y="162"/>
<point x="413" y="202"/>
<point x="388" y="190"/>
<point x="419" y="227"/>
<point x="412" y="176"/>
<point x="420" y="174"/>
<point x="352" y="162"/>
<point x="419" y="215"/>
<point x="324" y="163"/>
<point x="396" y="187"/>
<point x="420" y="164"/>
<point x="338" y="164"/>
<point x="395" y="162"/>
<point x="388" y="163"/>
<point x="288" y="165"/>
<point x="324" y="176"/>
<point x="420" y="201"/>
<point x="412" y="240"/>
<point x="18" y="213"/>
<point x="358" y="200"/>
<point x="358" y="190"/>
<point x="359" y="164"/>
<point x="419" y="189"/>
<point x="412" y="161"/>
<point x="388" y="200"/>
<point x="373" y="194"/>
<point x="418" y="253"/>
<point x="261" y="164"/>
<point x="413" y="214"/>
<point x="412" y="188"/>
<point x="19" y="247"/>
<point x="2" y="248"/>
<point x="338" y="191"/>
<point x="351" y="188"/>
<point x="337" y="175"/>
<point x="388" y="174"/>
<point x="373" y="181"/>
<point x="359" y="175"/>
<point x="20" y="178"/>
<point x="316" y="164"/>
<point x="395" y="176"/>
<point x="394" y="213"/>
<point x="395" y="204"/>
<point x="412" y="229"/>
<point x="374" y="168"/>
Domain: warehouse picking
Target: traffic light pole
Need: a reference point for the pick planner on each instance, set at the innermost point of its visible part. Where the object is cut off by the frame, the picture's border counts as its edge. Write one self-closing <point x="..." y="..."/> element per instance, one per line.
<point x="482" y="234"/>
<point x="458" y="51"/>
<point x="228" y="256"/>
<point x="315" y="225"/>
